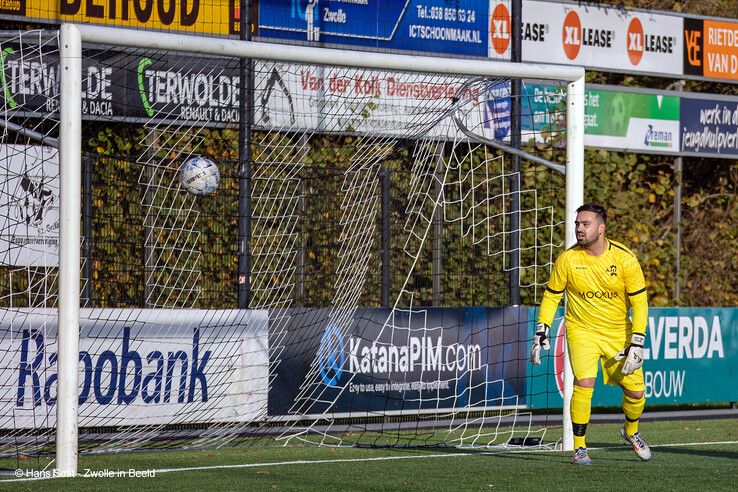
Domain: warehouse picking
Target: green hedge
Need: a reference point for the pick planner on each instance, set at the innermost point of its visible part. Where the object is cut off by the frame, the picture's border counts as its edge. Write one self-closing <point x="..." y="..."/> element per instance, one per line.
<point x="637" y="189"/>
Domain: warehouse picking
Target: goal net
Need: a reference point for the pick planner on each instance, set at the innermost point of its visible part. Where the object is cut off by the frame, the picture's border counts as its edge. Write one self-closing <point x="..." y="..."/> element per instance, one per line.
<point x="348" y="282"/>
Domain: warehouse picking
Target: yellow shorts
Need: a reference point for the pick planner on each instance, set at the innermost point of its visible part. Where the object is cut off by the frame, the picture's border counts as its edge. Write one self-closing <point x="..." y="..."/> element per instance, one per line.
<point x="586" y="348"/>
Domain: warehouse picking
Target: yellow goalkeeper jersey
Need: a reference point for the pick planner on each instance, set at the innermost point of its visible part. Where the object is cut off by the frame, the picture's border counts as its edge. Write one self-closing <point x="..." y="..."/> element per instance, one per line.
<point x="600" y="290"/>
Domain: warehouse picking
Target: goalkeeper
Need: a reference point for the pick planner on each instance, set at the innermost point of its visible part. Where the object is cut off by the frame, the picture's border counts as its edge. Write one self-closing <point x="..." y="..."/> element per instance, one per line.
<point x="602" y="280"/>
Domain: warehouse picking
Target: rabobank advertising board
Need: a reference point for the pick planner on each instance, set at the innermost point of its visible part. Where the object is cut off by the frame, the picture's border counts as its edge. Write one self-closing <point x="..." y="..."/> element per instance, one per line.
<point x="691" y="356"/>
<point x="159" y="366"/>
<point x="385" y="361"/>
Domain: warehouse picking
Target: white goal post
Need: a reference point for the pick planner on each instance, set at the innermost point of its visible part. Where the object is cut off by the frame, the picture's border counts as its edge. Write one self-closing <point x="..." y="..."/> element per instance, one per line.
<point x="70" y="130"/>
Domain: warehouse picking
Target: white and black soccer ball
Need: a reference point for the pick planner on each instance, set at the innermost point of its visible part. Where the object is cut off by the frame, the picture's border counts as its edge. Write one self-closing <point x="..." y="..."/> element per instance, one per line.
<point x="199" y="176"/>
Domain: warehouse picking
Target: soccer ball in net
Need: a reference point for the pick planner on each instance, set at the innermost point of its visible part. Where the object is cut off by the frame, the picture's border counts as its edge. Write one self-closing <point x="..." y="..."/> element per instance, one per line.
<point x="199" y="176"/>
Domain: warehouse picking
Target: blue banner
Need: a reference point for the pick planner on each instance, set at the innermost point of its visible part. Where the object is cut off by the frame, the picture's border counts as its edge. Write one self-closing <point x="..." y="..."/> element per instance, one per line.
<point x="435" y="26"/>
<point x="691" y="356"/>
<point x="391" y="361"/>
<point x="709" y="126"/>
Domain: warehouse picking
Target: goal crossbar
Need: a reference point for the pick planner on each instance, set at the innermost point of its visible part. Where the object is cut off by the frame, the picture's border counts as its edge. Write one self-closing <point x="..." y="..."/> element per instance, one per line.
<point x="323" y="56"/>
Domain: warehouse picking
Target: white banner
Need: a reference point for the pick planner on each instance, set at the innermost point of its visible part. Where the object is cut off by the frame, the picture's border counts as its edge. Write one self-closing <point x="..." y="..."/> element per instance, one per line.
<point x="345" y="100"/>
<point x="29" y="205"/>
<point x="601" y="37"/>
<point x="138" y="366"/>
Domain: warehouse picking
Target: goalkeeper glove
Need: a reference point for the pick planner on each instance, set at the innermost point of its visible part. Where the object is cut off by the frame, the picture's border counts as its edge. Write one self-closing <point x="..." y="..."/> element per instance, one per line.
<point x="633" y="354"/>
<point x="539" y="340"/>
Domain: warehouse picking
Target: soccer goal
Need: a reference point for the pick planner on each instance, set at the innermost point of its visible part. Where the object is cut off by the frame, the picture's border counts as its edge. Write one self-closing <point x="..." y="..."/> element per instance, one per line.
<point x="347" y="282"/>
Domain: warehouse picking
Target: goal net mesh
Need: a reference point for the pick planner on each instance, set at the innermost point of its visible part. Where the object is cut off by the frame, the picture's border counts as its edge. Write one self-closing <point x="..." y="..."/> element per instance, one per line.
<point x="381" y="243"/>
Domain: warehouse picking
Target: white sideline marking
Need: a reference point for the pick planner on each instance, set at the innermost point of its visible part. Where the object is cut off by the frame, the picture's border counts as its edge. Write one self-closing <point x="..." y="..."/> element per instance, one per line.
<point x="314" y="462"/>
<point x="419" y="456"/>
<point x="384" y="458"/>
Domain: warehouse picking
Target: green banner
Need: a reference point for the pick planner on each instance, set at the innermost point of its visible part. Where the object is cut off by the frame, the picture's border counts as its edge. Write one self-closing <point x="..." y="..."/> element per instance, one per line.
<point x="613" y="119"/>
<point x="626" y="120"/>
<point x="609" y="113"/>
<point x="691" y="356"/>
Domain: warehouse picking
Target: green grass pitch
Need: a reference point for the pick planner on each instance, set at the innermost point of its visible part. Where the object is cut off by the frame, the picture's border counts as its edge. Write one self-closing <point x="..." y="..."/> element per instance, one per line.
<point x="687" y="455"/>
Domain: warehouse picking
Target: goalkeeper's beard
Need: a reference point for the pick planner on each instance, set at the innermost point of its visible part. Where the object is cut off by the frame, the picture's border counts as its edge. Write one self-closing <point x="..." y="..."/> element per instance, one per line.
<point x="585" y="242"/>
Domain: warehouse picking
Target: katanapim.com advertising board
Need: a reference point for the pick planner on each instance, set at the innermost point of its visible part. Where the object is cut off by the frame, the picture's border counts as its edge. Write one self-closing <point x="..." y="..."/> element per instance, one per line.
<point x="416" y="360"/>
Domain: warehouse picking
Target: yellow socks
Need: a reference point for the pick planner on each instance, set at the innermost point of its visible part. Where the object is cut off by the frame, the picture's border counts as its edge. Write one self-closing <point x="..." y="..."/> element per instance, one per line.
<point x="581" y="405"/>
<point x="632" y="409"/>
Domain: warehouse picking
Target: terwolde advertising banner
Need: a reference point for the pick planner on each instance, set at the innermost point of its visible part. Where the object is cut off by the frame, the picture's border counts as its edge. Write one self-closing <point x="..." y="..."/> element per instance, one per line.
<point x="122" y="86"/>
<point x="709" y="127"/>
<point x="158" y="366"/>
<point x="601" y="37"/>
<point x="435" y="26"/>
<point x="711" y="48"/>
<point x="425" y="359"/>
<point x="31" y="83"/>
<point x="691" y="356"/>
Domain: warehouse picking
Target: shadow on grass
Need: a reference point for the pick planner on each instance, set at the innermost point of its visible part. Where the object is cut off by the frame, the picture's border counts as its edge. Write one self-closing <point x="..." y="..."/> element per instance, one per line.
<point x="599" y="452"/>
<point x="678" y="450"/>
<point x="523" y="454"/>
<point x="695" y="451"/>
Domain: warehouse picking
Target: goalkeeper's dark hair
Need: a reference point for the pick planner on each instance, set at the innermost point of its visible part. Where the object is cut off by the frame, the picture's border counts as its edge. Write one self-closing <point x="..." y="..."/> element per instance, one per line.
<point x="596" y="208"/>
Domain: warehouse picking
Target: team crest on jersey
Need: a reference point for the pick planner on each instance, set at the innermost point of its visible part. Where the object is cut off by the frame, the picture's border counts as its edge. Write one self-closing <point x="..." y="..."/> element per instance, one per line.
<point x="613" y="271"/>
